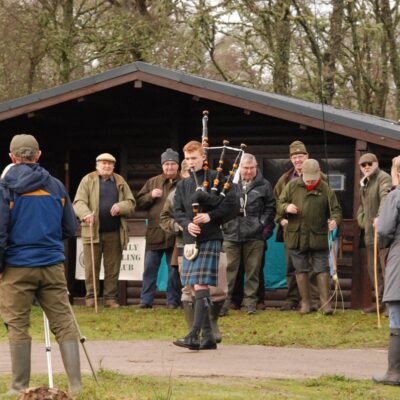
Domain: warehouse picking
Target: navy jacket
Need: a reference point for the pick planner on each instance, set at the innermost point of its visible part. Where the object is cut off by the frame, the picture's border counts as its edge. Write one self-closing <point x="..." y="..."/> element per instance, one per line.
<point x="36" y="215"/>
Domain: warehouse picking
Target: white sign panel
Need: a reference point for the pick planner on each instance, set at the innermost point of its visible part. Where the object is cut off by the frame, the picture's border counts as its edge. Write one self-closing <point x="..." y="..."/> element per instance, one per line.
<point x="132" y="264"/>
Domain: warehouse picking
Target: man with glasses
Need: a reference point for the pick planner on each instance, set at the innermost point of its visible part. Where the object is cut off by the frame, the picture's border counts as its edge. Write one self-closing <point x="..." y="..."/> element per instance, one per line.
<point x="298" y="154"/>
<point x="375" y="184"/>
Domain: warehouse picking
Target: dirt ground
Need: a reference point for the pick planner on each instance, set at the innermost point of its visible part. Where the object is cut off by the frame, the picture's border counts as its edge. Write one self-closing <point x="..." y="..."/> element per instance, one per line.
<point x="162" y="358"/>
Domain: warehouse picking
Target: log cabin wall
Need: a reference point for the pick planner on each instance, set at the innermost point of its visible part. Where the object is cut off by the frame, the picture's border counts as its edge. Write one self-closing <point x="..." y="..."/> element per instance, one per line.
<point x="137" y="121"/>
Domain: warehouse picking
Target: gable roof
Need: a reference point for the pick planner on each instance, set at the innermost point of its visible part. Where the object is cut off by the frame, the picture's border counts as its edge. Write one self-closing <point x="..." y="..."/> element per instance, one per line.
<point x="344" y="122"/>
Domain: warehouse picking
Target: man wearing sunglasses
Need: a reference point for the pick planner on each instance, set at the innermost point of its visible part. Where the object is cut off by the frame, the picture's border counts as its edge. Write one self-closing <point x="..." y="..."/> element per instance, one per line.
<point x="375" y="184"/>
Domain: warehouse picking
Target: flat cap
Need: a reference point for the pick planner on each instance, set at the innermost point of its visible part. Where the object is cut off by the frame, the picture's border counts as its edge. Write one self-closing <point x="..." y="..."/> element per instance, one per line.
<point x="106" y="157"/>
<point x="20" y="143"/>
<point x="368" y="157"/>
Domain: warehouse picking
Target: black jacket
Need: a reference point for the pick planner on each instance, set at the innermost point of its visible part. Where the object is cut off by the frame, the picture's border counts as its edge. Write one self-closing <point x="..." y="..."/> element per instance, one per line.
<point x="220" y="209"/>
<point x="257" y="212"/>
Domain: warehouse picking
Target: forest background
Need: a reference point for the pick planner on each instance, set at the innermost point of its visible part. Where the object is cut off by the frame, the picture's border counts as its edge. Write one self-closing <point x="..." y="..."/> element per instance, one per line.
<point x="344" y="53"/>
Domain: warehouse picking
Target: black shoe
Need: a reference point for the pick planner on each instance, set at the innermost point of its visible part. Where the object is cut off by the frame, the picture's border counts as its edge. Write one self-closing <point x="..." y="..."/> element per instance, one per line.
<point x="208" y="344"/>
<point x="172" y="306"/>
<point x="142" y="305"/>
<point x="289" y="306"/>
<point x="189" y="342"/>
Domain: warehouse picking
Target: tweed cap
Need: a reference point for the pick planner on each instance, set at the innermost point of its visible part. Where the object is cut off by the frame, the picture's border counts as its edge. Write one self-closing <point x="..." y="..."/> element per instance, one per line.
<point x="22" y="143"/>
<point x="297" y="147"/>
<point x="106" y="157"/>
<point x="311" y="170"/>
<point x="367" y="157"/>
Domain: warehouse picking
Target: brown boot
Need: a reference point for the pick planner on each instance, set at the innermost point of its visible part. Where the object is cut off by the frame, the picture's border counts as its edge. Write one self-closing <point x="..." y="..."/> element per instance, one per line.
<point x="303" y="283"/>
<point x="323" y="282"/>
<point x="111" y="303"/>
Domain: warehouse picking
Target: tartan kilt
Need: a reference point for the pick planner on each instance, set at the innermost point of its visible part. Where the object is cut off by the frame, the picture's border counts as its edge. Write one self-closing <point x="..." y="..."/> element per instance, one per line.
<point x="203" y="270"/>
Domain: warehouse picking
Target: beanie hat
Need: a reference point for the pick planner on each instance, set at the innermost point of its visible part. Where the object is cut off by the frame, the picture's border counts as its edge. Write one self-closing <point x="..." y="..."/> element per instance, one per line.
<point x="106" y="157"/>
<point x="310" y="170"/>
<point x="367" y="157"/>
<point x="169" y="155"/>
<point x="297" y="147"/>
<point x="22" y="143"/>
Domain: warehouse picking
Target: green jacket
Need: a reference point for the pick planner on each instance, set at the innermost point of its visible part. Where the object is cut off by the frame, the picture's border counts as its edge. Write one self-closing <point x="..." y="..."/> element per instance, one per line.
<point x="308" y="230"/>
<point x="372" y="195"/>
<point x="87" y="200"/>
<point x="278" y="189"/>
<point x="156" y="238"/>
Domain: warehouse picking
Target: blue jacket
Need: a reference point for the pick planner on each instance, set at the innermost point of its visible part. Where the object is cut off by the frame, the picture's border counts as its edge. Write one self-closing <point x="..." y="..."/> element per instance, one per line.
<point x="36" y="215"/>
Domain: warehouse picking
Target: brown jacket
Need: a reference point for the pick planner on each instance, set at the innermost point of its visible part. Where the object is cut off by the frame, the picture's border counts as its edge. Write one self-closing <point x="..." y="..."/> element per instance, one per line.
<point x="372" y="196"/>
<point x="156" y="238"/>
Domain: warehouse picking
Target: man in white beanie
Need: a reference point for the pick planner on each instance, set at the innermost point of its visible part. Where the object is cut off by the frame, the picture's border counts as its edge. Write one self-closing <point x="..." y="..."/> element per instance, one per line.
<point x="102" y="203"/>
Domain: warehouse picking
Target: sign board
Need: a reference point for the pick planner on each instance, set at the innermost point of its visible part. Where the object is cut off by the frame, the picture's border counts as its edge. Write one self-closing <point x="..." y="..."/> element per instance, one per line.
<point x="132" y="264"/>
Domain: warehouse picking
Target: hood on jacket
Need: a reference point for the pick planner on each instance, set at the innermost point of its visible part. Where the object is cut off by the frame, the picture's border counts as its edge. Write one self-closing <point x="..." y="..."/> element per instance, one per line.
<point x="23" y="178"/>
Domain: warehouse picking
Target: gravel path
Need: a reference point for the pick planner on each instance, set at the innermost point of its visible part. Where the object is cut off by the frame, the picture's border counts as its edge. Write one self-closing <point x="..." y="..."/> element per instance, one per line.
<point x="162" y="358"/>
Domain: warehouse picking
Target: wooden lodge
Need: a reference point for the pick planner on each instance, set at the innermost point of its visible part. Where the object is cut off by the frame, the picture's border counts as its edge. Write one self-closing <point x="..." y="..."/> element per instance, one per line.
<point x="136" y="111"/>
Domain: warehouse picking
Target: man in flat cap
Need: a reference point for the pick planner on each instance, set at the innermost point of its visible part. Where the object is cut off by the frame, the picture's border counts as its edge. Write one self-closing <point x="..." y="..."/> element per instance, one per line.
<point x="375" y="185"/>
<point x="151" y="198"/>
<point x="36" y="217"/>
<point x="311" y="210"/>
<point x="102" y="203"/>
<point x="298" y="154"/>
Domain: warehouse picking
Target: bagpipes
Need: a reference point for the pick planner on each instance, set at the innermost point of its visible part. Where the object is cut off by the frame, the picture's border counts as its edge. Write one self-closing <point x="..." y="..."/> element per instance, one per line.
<point x="207" y="193"/>
<point x="205" y="186"/>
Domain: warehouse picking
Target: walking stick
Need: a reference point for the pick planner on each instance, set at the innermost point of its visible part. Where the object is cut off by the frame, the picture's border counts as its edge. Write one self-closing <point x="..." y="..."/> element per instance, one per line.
<point x="376" y="276"/>
<point x="82" y="340"/>
<point x="93" y="267"/>
<point x="48" y="349"/>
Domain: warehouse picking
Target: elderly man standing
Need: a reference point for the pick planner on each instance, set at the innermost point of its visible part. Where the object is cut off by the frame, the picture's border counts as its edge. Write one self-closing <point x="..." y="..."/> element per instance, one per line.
<point x="103" y="201"/>
<point x="375" y="185"/>
<point x="151" y="198"/>
<point x="298" y="154"/>
<point x="244" y="236"/>
<point x="36" y="216"/>
<point x="310" y="210"/>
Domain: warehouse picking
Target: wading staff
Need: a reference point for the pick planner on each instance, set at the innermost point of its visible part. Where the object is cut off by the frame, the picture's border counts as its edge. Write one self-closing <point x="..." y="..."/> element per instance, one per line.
<point x="82" y="340"/>
<point x="378" y="312"/>
<point x="48" y="349"/>
<point x="220" y="166"/>
<point x="93" y="267"/>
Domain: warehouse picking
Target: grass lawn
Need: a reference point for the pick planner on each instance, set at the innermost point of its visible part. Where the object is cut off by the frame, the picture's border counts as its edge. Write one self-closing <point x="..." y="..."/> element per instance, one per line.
<point x="273" y="328"/>
<point x="121" y="387"/>
<point x="350" y="329"/>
